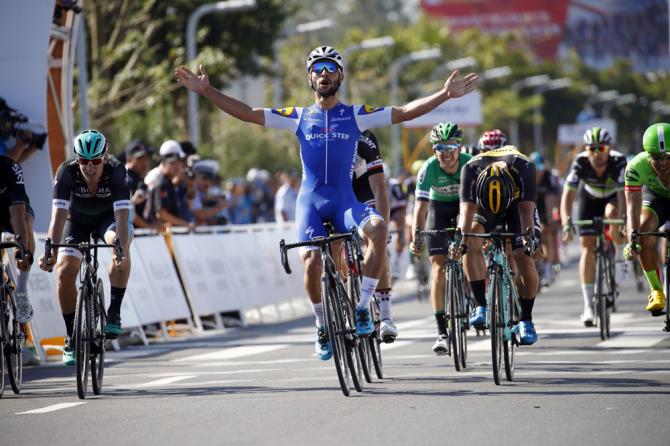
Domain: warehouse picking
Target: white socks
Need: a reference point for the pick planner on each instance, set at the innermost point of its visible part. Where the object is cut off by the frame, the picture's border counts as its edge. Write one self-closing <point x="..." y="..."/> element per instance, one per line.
<point x="318" y="313"/>
<point x="587" y="294"/>
<point x="368" y="287"/>
<point x="384" y="298"/>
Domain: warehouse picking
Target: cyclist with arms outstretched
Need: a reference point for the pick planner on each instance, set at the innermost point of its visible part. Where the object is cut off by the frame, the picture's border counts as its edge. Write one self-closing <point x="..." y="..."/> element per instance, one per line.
<point x="91" y="196"/>
<point x="328" y="132"/>
<point x="437" y="198"/>
<point x="647" y="189"/>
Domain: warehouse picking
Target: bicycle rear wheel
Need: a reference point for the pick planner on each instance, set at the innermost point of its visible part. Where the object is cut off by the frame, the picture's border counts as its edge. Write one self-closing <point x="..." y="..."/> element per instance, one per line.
<point x="452" y="310"/>
<point x="353" y="353"/>
<point x="496" y="325"/>
<point x="98" y="340"/>
<point x="82" y="338"/>
<point x="3" y="337"/>
<point x="464" y="324"/>
<point x="334" y="327"/>
<point x="510" y="344"/>
<point x="364" y="352"/>
<point x="13" y="347"/>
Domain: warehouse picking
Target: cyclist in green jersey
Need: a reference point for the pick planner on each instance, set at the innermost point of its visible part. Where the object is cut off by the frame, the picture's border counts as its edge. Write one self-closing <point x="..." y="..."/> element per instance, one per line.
<point x="647" y="189"/>
<point x="436" y="207"/>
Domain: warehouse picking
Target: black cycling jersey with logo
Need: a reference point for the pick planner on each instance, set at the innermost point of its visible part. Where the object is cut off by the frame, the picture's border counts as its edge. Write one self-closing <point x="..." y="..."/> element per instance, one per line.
<point x="368" y="163"/>
<point x="12" y="190"/>
<point x="71" y="190"/>
<point x="604" y="186"/>
<point x="549" y="184"/>
<point x="521" y="168"/>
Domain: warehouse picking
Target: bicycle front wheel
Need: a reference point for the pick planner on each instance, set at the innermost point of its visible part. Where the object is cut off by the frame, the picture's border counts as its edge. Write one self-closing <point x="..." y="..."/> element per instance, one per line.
<point x="82" y="338"/>
<point x="334" y="327"/>
<point x="452" y="310"/>
<point x="511" y="318"/>
<point x="3" y="337"/>
<point x="351" y="342"/>
<point x="496" y="325"/>
<point x="600" y="297"/>
<point x="13" y="347"/>
<point x="98" y="339"/>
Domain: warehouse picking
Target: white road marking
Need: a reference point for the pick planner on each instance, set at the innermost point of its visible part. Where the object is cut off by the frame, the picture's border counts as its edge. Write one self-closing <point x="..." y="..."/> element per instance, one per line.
<point x="52" y="408"/>
<point x="630" y="342"/>
<point x="231" y="353"/>
<point x="165" y="381"/>
<point x="394" y="345"/>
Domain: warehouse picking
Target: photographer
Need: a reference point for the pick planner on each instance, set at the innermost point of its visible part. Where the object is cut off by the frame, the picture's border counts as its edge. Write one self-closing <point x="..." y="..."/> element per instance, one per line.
<point x="17" y="140"/>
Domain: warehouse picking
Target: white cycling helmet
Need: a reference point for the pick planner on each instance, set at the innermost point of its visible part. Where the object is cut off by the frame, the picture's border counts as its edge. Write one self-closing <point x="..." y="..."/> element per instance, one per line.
<point x="324" y="52"/>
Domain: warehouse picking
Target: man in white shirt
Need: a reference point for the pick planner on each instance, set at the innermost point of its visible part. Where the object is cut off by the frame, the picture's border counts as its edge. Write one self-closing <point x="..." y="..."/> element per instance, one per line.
<point x="286" y="196"/>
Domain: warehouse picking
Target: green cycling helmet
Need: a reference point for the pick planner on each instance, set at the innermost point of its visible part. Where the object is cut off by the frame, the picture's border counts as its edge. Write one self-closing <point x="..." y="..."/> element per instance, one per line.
<point x="90" y="144"/>
<point x="446" y="131"/>
<point x="656" y="138"/>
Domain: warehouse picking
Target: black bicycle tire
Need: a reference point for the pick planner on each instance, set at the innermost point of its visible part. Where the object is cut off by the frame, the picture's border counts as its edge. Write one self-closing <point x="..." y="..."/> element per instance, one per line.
<point x="509" y="345"/>
<point x="451" y="307"/>
<point x="98" y="358"/>
<point x="13" y="349"/>
<point x="601" y="298"/>
<point x="611" y="293"/>
<point x="81" y="345"/>
<point x="465" y="312"/>
<point x="495" y="328"/>
<point x="337" y="345"/>
<point x="354" y="359"/>
<point x="363" y="347"/>
<point x="2" y="340"/>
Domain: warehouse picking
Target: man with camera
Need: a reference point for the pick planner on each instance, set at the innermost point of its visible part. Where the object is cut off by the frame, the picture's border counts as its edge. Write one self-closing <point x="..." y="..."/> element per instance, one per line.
<point x="17" y="141"/>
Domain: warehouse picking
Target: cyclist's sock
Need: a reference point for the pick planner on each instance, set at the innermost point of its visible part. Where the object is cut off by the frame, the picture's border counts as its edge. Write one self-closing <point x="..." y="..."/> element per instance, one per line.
<point x="368" y="286"/>
<point x="441" y="320"/>
<point x="479" y="292"/>
<point x="22" y="282"/>
<point x="318" y="313"/>
<point x="116" y="299"/>
<point x="652" y="278"/>
<point x="587" y="294"/>
<point x="547" y="270"/>
<point x="527" y="309"/>
<point x="384" y="296"/>
<point x="69" y="323"/>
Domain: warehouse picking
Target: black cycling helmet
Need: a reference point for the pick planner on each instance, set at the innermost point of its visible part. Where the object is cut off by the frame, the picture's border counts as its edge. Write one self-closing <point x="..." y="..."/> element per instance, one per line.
<point x="495" y="189"/>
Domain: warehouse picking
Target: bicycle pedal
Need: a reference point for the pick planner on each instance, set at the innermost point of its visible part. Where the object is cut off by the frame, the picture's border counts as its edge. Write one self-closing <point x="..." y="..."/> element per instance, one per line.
<point x="388" y="339"/>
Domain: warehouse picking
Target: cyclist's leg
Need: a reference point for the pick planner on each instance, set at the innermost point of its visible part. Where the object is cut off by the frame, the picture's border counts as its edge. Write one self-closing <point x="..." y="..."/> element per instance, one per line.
<point x="118" y="276"/>
<point x="621" y="267"/>
<point x="475" y="266"/>
<point x="437" y="293"/>
<point x="654" y="214"/>
<point x="587" y="209"/>
<point x="24" y="309"/>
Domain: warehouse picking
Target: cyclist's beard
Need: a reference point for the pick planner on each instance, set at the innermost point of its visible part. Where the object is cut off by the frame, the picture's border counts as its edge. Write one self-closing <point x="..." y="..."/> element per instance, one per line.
<point x="334" y="86"/>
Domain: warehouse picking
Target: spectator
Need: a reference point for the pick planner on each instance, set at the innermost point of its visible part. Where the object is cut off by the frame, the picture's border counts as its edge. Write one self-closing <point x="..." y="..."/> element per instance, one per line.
<point x="241" y="202"/>
<point x="209" y="204"/>
<point x="263" y="198"/>
<point x="286" y="196"/>
<point x="170" y="196"/>
<point x="138" y="161"/>
<point x="169" y="148"/>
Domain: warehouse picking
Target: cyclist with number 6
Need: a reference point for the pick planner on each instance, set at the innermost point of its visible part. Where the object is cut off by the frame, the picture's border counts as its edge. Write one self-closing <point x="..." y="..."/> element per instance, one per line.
<point x="91" y="196"/>
<point x="596" y="178"/>
<point x="437" y="192"/>
<point x="498" y="188"/>
<point x="647" y="189"/>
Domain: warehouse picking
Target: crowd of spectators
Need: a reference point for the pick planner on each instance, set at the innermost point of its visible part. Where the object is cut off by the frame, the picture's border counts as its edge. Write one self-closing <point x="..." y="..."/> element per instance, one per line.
<point x="184" y="190"/>
<point x="639" y="33"/>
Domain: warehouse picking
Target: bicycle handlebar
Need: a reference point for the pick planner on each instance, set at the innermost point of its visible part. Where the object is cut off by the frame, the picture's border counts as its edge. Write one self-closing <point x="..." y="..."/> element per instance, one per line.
<point x="83" y="246"/>
<point x="317" y="241"/>
<point x="18" y="243"/>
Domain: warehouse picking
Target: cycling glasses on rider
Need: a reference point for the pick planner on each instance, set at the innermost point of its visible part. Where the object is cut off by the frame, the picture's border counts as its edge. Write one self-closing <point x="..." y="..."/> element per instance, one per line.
<point x="599" y="148"/>
<point x="660" y="156"/>
<point x="447" y="146"/>
<point x="94" y="161"/>
<point x="327" y="65"/>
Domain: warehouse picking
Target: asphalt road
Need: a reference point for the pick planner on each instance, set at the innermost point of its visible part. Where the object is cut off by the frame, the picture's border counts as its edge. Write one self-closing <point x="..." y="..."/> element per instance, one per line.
<point x="263" y="385"/>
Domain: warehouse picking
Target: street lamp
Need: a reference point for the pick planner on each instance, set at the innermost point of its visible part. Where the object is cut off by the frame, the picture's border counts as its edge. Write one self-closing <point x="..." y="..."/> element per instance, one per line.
<point x="495" y="73"/>
<point x="276" y="46"/>
<point x="378" y="42"/>
<point x="555" y="84"/>
<point x="191" y="27"/>
<point x="528" y="82"/>
<point x="396" y="66"/>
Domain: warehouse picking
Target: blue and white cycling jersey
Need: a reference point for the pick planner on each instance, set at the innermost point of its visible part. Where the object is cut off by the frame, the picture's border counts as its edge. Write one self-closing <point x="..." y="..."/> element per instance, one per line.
<point x="328" y="152"/>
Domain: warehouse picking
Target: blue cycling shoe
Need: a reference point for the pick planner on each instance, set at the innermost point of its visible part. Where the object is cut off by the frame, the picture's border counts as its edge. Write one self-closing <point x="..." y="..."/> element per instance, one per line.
<point x="364" y="325"/>
<point x="322" y="346"/>
<point x="526" y="332"/>
<point x="478" y="317"/>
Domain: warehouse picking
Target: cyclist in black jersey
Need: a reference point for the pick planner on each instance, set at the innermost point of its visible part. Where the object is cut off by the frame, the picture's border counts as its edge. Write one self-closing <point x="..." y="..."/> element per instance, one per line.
<point x="369" y="182"/>
<point x="16" y="217"/>
<point x="498" y="188"/>
<point x="597" y="178"/>
<point x="91" y="196"/>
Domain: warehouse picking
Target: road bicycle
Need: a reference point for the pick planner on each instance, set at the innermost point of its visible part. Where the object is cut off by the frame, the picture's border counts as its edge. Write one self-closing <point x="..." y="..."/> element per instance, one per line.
<point x="90" y="316"/>
<point x="605" y="290"/>
<point x="12" y="333"/>
<point x="502" y="299"/>
<point x="666" y="271"/>
<point x="457" y="299"/>
<point x="338" y="308"/>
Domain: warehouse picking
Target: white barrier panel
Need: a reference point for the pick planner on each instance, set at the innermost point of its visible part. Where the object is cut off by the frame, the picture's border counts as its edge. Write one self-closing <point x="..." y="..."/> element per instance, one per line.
<point x="239" y="252"/>
<point x="47" y="319"/>
<point x="207" y="278"/>
<point x="295" y="261"/>
<point x="154" y="254"/>
<point x="128" y="314"/>
<point x="141" y="292"/>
